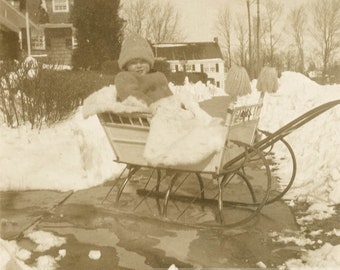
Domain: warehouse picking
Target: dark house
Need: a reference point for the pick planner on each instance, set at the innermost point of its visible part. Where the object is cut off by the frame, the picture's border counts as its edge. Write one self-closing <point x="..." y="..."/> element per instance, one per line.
<point x="54" y="40"/>
<point x="12" y="23"/>
<point x="52" y="37"/>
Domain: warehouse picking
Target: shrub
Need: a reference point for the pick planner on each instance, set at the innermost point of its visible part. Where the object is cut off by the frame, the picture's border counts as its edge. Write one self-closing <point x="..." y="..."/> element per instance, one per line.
<point x="110" y="67"/>
<point x="162" y="66"/>
<point x="195" y="77"/>
<point x="79" y="83"/>
<point x="14" y="102"/>
<point x="30" y="93"/>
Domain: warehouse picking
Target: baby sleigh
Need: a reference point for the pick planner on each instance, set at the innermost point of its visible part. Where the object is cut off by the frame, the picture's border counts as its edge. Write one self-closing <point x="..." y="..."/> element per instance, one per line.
<point x="227" y="189"/>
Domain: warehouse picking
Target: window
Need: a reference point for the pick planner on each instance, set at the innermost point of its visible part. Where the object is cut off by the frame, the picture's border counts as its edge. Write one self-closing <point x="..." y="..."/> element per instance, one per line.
<point x="217" y="68"/>
<point x="60" y="5"/>
<point x="190" y="68"/>
<point x="74" y="42"/>
<point x="212" y="68"/>
<point x="173" y="67"/>
<point x="38" y="41"/>
<point x="218" y="84"/>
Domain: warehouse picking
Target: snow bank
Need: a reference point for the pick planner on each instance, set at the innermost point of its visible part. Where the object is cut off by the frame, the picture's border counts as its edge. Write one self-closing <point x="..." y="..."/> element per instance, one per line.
<point x="315" y="144"/>
<point x="13" y="256"/>
<point x="71" y="155"/>
<point x="326" y="257"/>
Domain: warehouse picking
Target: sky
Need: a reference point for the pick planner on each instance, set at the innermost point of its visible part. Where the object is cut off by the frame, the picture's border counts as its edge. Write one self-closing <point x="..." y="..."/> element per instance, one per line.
<point x="199" y="16"/>
<point x="79" y="157"/>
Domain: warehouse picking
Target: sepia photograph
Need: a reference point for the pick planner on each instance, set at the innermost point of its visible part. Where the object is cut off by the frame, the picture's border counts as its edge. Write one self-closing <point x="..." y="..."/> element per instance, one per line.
<point x="169" y="134"/>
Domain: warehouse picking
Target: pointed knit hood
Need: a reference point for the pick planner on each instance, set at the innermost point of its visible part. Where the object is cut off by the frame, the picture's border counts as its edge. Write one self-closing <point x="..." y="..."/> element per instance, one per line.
<point x="135" y="46"/>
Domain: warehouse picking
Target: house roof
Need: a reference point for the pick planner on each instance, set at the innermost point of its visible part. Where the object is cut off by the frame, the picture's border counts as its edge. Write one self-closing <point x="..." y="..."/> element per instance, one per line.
<point x="188" y="51"/>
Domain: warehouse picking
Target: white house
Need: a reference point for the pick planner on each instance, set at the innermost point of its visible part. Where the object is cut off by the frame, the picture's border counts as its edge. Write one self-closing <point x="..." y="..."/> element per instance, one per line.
<point x="194" y="57"/>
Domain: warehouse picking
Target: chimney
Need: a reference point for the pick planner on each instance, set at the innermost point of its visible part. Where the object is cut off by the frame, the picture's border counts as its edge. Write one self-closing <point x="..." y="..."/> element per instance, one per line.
<point x="216" y="39"/>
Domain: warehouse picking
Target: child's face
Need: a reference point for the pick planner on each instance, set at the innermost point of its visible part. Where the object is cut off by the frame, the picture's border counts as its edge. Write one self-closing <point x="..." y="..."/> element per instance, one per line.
<point x="138" y="65"/>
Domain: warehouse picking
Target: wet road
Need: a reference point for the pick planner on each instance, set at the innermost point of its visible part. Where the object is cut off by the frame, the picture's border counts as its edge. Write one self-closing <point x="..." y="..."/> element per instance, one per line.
<point x="129" y="242"/>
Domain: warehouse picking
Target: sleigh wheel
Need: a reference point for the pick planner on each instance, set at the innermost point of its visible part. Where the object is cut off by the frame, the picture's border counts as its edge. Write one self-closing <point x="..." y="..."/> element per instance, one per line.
<point x="278" y="192"/>
<point x="242" y="193"/>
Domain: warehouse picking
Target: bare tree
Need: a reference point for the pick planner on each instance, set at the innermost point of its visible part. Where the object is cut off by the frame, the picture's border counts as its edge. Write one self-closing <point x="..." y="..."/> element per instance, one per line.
<point x="223" y="26"/>
<point x="289" y="58"/>
<point x="241" y="33"/>
<point x="272" y="13"/>
<point x="258" y="65"/>
<point x="250" y="47"/>
<point x="157" y="21"/>
<point x="297" y="25"/>
<point x="326" y="30"/>
<point x="135" y="13"/>
<point x="164" y="23"/>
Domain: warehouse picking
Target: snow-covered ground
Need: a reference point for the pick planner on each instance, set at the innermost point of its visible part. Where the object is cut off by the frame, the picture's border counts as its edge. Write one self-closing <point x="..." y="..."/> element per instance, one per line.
<point x="75" y="154"/>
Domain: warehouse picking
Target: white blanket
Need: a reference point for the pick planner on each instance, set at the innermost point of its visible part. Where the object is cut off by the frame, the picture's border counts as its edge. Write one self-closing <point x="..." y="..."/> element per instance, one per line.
<point x="181" y="133"/>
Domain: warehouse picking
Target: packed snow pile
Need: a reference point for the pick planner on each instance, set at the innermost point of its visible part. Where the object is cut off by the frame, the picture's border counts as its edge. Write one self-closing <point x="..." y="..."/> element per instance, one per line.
<point x="13" y="256"/>
<point x="327" y="257"/>
<point x="199" y="90"/>
<point x="315" y="144"/>
<point x="45" y="240"/>
<point x="72" y="155"/>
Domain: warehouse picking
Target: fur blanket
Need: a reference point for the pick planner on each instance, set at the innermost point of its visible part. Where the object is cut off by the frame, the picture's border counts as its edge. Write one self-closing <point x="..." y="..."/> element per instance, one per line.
<point x="181" y="133"/>
<point x="105" y="100"/>
<point x="182" y="136"/>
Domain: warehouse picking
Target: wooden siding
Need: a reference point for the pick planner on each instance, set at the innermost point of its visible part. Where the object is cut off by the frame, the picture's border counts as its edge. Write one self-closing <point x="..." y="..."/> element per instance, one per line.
<point x="59" y="52"/>
<point x="9" y="45"/>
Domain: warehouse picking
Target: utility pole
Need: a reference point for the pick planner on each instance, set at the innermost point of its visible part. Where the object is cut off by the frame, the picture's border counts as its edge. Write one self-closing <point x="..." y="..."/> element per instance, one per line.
<point x="249" y="42"/>
<point x="258" y="65"/>
<point x="28" y="39"/>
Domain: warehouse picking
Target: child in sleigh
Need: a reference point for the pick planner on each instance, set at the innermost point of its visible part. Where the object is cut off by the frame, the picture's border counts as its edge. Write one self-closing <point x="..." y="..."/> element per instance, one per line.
<point x="180" y="131"/>
<point x="137" y="78"/>
<point x="178" y="122"/>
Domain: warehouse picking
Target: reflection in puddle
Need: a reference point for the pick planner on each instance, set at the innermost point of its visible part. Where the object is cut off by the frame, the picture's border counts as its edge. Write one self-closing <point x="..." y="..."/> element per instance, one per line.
<point x="178" y="245"/>
<point x="105" y="237"/>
